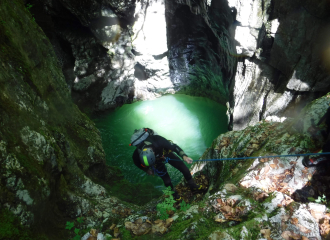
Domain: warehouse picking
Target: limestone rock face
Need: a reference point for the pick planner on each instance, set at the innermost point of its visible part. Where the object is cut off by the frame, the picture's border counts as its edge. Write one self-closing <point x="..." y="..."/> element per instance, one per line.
<point x="267" y="138"/>
<point x="277" y="186"/>
<point x="286" y="67"/>
<point x="262" y="57"/>
<point x="116" y="52"/>
<point x="111" y="52"/>
<point x="50" y="152"/>
<point x="200" y="47"/>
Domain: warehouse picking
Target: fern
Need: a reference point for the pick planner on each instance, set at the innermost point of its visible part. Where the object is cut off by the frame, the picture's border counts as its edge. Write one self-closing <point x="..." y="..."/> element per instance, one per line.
<point x="184" y="206"/>
<point x="167" y="205"/>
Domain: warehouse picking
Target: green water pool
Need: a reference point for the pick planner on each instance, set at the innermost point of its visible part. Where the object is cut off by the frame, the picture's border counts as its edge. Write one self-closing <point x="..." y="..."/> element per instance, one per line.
<point x="190" y="122"/>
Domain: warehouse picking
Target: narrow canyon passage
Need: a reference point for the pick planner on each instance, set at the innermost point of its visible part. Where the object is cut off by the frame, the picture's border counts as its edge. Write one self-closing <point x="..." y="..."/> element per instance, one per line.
<point x="191" y="122"/>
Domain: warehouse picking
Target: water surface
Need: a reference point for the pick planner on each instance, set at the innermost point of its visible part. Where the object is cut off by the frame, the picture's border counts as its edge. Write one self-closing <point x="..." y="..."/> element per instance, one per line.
<point x="190" y="122"/>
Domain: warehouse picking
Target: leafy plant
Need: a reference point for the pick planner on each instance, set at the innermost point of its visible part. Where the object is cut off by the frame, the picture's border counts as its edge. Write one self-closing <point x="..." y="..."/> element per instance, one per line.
<point x="28" y="7"/>
<point x="184" y="206"/>
<point x="70" y="225"/>
<point x="322" y="200"/>
<point x="77" y="237"/>
<point x="167" y="205"/>
<point x="80" y="219"/>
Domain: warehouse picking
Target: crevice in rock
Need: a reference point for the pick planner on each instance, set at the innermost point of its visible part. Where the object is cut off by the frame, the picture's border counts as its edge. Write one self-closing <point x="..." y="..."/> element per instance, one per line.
<point x="140" y="72"/>
<point x="136" y="53"/>
<point x="160" y="56"/>
<point x="264" y="106"/>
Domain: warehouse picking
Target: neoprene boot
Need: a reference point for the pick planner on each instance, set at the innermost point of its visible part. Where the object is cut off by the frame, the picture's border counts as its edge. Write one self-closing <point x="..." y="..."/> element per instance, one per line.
<point x="193" y="186"/>
<point x="312" y="161"/>
<point x="176" y="196"/>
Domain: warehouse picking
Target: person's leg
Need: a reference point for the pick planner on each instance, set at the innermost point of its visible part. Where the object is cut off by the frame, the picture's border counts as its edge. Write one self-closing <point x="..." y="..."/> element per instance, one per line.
<point x="179" y="164"/>
<point x="162" y="172"/>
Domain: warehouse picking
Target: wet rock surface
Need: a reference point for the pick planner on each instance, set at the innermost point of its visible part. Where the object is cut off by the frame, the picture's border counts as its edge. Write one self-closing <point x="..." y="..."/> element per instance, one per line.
<point x="255" y="55"/>
<point x="111" y="53"/>
<point x="51" y="154"/>
<point x="277" y="78"/>
<point x="200" y="47"/>
<point x="52" y="161"/>
<point x="280" y="189"/>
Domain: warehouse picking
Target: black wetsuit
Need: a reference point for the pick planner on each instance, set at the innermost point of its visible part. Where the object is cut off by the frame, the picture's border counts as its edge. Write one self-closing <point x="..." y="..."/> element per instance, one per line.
<point x="163" y="148"/>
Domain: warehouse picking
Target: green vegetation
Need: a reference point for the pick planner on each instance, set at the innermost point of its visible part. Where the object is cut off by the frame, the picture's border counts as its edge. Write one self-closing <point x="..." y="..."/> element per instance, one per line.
<point x="184" y="206"/>
<point x="122" y="188"/>
<point x="202" y="230"/>
<point x="70" y="225"/>
<point x="321" y="200"/>
<point x="167" y="205"/>
<point x="28" y="7"/>
<point x="11" y="228"/>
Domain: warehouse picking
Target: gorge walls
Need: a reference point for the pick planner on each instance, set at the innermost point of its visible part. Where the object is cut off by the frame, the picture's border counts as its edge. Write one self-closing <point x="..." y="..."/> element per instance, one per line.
<point x="286" y="65"/>
<point x="200" y="47"/>
<point x="280" y="48"/>
<point x="111" y="52"/>
<point x="261" y="57"/>
<point x="51" y="154"/>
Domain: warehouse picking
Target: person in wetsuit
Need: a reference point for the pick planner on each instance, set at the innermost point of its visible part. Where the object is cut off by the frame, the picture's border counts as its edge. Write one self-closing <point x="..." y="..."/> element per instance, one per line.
<point x="150" y="156"/>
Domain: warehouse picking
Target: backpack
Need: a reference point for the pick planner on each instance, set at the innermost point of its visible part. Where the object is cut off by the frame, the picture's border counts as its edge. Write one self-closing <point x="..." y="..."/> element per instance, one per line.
<point x="140" y="135"/>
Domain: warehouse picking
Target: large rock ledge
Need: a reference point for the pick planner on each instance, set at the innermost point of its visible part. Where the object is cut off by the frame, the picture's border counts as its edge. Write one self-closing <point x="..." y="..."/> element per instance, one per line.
<point x="274" y="190"/>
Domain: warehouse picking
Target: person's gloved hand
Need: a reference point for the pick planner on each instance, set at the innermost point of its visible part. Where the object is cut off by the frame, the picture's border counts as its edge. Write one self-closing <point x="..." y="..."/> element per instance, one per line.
<point x="150" y="172"/>
<point x="187" y="159"/>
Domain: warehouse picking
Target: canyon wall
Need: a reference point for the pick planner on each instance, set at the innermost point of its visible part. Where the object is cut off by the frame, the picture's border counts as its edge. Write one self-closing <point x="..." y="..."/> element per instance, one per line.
<point x="52" y="163"/>
<point x="287" y="63"/>
<point x="262" y="58"/>
<point x="270" y="60"/>
<point x="111" y="52"/>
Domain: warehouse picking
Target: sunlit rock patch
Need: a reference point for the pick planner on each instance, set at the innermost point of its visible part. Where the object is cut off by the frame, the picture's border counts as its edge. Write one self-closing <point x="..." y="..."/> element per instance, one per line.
<point x="278" y="175"/>
<point x="263" y="191"/>
<point x="273" y="78"/>
<point x="274" y="216"/>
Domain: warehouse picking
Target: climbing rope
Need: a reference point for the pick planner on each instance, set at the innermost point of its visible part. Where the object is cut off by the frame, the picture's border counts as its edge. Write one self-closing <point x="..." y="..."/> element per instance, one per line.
<point x="160" y="173"/>
<point x="243" y="158"/>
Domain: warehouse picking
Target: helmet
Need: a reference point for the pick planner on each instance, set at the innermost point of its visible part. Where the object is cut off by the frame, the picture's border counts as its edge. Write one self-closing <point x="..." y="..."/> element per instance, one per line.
<point x="147" y="156"/>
